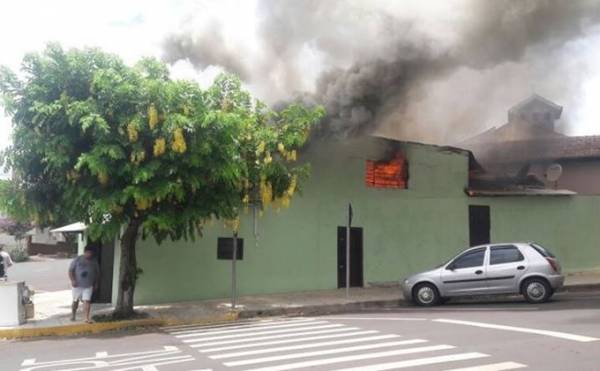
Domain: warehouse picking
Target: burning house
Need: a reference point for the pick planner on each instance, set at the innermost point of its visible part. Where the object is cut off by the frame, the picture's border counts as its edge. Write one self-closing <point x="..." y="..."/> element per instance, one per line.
<point x="415" y="205"/>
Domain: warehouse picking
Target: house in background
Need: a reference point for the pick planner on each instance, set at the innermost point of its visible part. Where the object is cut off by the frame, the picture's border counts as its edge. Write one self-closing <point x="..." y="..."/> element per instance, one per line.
<point x="530" y="151"/>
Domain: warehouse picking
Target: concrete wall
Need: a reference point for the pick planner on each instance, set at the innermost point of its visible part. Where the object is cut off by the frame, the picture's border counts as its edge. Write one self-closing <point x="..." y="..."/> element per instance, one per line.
<point x="404" y="230"/>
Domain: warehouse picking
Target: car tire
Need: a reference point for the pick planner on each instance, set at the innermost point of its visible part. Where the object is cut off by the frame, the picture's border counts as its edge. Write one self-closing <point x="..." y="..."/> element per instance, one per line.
<point x="536" y="290"/>
<point x="426" y="295"/>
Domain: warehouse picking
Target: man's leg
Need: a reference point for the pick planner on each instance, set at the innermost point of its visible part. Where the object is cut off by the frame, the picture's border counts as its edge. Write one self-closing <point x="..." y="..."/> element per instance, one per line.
<point x="76" y="296"/>
<point x="87" y="298"/>
<point x="86" y="310"/>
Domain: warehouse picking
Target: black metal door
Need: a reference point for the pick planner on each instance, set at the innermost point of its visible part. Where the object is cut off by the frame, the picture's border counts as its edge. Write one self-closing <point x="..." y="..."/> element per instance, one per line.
<point x="479" y="225"/>
<point x="356" y="257"/>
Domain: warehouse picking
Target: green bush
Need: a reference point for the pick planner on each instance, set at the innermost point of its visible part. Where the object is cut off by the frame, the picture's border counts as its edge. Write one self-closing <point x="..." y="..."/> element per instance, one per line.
<point x="17" y="253"/>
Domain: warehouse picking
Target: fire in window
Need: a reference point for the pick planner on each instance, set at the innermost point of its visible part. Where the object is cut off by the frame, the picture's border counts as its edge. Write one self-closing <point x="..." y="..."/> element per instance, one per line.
<point x="388" y="174"/>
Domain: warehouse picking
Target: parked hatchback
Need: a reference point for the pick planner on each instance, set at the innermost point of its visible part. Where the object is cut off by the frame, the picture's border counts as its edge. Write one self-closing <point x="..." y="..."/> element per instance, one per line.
<point x="504" y="268"/>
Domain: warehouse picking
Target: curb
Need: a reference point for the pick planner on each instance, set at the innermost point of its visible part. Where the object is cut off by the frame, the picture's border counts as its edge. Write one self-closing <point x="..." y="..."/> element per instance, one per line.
<point x="580" y="287"/>
<point x="321" y="309"/>
<point x="100" y="327"/>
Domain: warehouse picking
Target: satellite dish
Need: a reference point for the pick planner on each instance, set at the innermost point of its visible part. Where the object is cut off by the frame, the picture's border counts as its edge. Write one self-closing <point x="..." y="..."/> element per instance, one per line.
<point x="553" y="172"/>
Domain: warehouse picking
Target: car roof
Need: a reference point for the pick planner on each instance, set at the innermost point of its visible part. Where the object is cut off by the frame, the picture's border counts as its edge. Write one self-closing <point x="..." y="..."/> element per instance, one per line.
<point x="498" y="244"/>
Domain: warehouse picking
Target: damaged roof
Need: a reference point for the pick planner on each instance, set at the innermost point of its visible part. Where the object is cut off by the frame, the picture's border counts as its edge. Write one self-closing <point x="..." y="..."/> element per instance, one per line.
<point x="578" y="147"/>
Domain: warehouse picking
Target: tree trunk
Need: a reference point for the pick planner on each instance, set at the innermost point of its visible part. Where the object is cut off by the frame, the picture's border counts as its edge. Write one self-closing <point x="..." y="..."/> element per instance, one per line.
<point x="127" y="271"/>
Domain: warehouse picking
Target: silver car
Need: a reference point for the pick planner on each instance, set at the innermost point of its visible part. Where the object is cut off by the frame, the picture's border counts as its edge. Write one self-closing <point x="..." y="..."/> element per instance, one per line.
<point x="504" y="268"/>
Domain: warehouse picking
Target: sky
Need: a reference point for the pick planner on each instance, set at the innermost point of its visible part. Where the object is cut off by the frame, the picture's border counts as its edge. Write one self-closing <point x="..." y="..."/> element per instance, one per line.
<point x="132" y="29"/>
<point x="135" y="28"/>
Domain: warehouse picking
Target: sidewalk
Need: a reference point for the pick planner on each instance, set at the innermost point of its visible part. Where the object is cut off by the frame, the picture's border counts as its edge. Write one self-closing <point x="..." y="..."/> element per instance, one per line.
<point x="52" y="309"/>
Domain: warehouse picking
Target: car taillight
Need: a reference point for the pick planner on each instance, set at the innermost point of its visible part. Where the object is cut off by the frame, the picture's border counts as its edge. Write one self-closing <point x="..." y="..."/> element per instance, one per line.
<point x="554" y="264"/>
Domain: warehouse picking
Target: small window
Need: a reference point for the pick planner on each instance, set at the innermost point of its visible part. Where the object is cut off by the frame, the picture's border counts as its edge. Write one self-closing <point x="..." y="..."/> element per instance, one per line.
<point x="387" y="174"/>
<point x="473" y="258"/>
<point x="225" y="248"/>
<point x="505" y="254"/>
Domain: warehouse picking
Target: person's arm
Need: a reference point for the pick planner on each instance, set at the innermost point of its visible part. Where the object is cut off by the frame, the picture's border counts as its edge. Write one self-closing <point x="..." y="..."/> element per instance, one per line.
<point x="72" y="273"/>
<point x="9" y="261"/>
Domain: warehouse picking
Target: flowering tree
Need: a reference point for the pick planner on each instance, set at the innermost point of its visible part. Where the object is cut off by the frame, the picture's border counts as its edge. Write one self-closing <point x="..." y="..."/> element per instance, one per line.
<point x="134" y="153"/>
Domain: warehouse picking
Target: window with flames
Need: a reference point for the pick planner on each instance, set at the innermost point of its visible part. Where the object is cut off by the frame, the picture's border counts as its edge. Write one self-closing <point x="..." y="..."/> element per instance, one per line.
<point x="388" y="174"/>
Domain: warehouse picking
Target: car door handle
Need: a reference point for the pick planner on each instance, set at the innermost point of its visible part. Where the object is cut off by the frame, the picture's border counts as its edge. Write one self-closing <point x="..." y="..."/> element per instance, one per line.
<point x="520" y="267"/>
<point x="478" y="271"/>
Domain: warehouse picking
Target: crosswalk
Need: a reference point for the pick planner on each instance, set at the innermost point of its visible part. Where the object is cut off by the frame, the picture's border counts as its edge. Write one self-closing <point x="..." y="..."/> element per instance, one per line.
<point x="314" y="343"/>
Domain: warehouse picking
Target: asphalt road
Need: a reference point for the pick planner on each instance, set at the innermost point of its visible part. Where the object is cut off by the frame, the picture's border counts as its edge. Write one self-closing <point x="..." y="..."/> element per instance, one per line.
<point x="47" y="274"/>
<point x="501" y="335"/>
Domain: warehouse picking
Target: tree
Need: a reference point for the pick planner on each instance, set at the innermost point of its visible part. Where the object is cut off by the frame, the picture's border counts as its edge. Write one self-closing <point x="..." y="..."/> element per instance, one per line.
<point x="15" y="228"/>
<point x="134" y="153"/>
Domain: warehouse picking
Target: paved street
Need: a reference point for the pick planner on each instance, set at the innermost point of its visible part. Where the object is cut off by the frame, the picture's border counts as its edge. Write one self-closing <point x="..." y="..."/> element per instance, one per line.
<point x="502" y="335"/>
<point x="42" y="274"/>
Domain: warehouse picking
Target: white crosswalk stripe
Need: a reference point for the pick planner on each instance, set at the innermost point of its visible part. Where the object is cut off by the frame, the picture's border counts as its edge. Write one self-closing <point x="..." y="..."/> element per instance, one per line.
<point x="323" y="352"/>
<point x="301" y="343"/>
<point x="296" y="334"/>
<point x="195" y="339"/>
<point x="304" y="346"/>
<point x="243" y="328"/>
<point x="296" y="339"/>
<point x="188" y="333"/>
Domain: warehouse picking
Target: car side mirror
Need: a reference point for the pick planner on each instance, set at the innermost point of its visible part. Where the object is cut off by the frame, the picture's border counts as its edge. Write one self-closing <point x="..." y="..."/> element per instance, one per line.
<point x="450" y="267"/>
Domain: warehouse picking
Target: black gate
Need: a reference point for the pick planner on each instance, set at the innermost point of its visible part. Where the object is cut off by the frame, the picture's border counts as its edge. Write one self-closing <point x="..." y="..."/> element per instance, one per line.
<point x="479" y="225"/>
<point x="356" y="257"/>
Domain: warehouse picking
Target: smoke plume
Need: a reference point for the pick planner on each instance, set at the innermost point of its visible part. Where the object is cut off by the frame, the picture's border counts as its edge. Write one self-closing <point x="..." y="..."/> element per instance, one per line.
<point x="424" y="70"/>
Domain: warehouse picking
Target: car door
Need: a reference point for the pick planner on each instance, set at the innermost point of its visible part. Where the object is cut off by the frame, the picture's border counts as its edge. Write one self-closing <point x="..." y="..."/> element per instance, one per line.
<point x="466" y="275"/>
<point x="505" y="267"/>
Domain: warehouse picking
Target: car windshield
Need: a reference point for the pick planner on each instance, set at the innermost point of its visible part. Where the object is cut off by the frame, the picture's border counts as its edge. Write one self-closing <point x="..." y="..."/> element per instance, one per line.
<point x="542" y="250"/>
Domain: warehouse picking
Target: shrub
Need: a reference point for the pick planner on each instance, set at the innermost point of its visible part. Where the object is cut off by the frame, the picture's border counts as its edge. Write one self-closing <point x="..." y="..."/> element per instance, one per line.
<point x="17" y="253"/>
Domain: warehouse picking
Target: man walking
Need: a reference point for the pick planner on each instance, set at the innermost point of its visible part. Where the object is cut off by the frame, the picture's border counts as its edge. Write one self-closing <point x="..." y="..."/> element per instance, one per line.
<point x="5" y="262"/>
<point x="84" y="273"/>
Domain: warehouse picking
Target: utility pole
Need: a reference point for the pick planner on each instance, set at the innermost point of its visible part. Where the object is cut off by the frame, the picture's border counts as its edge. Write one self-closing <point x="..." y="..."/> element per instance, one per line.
<point x="348" y="250"/>
<point x="233" y="271"/>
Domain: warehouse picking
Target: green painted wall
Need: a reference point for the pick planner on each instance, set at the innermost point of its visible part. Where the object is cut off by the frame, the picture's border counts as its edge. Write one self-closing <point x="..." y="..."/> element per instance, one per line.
<point x="404" y="230"/>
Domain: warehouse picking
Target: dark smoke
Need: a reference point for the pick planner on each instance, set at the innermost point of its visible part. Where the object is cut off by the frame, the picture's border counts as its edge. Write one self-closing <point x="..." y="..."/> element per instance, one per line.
<point x="381" y="63"/>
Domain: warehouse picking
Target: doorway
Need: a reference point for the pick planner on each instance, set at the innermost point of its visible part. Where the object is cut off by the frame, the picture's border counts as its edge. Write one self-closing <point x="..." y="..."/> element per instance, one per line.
<point x="356" y="257"/>
<point x="479" y="225"/>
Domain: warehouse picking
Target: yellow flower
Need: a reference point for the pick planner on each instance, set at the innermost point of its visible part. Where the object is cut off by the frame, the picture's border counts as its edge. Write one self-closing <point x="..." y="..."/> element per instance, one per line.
<point x="132" y="132"/>
<point x="159" y="146"/>
<point x="285" y="201"/>
<point x="268" y="158"/>
<point x="292" y="187"/>
<point x="103" y="178"/>
<point x="281" y="148"/>
<point x="178" y="144"/>
<point x="260" y="148"/>
<point x="137" y="157"/>
<point x="266" y="192"/>
<point x="246" y="199"/>
<point x="233" y="224"/>
<point x="143" y="203"/>
<point x="152" y="116"/>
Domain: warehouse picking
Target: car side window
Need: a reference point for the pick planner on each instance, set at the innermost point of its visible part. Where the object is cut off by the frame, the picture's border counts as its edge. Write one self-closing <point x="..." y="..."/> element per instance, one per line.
<point x="505" y="254"/>
<point x="473" y="258"/>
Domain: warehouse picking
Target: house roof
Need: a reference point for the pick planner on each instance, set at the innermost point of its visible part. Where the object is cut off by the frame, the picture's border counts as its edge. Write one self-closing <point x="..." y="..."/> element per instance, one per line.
<point x="560" y="148"/>
<point x="71" y="228"/>
<point x="536" y="100"/>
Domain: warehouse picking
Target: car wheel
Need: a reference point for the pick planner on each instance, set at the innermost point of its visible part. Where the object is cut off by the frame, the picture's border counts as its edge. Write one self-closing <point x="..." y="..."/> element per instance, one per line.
<point x="426" y="295"/>
<point x="536" y="290"/>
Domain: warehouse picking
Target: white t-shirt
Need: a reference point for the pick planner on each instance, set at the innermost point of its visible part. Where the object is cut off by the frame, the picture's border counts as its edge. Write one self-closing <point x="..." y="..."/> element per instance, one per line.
<point x="7" y="260"/>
